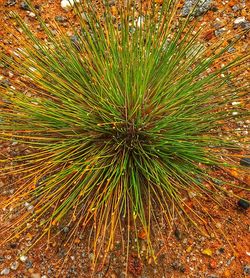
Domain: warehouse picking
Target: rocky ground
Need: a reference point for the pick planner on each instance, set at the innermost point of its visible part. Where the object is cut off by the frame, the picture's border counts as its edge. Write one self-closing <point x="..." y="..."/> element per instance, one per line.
<point x="181" y="253"/>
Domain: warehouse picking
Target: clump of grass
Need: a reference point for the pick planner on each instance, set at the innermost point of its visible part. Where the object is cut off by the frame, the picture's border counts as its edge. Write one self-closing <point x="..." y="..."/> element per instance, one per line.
<point x="118" y="123"/>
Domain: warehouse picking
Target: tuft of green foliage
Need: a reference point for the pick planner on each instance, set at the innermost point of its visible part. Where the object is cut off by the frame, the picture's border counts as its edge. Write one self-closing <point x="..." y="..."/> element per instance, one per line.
<point x="118" y="123"/>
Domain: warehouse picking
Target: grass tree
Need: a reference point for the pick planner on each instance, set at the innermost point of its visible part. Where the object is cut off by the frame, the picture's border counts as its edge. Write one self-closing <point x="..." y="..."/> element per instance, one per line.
<point x="121" y="121"/>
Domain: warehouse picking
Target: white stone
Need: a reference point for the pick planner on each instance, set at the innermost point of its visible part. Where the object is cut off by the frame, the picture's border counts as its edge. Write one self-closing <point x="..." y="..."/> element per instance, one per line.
<point x="31" y="14"/>
<point x="239" y="20"/>
<point x="236" y="103"/>
<point x="23" y="258"/>
<point x="67" y="5"/>
<point x="5" y="271"/>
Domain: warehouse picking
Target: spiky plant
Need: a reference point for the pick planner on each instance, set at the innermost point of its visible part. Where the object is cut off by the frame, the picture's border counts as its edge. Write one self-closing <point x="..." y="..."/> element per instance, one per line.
<point x="119" y="122"/>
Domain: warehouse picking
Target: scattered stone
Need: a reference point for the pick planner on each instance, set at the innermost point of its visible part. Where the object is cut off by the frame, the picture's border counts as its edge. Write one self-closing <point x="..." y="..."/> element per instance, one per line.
<point x="14" y="265"/>
<point x="35" y="275"/>
<point x="241" y="22"/>
<point x="65" y="229"/>
<point x="31" y="14"/>
<point x="67" y="5"/>
<point x="11" y="74"/>
<point x="230" y="260"/>
<point x="23" y="258"/>
<point x="10" y="3"/>
<point x="235" y="103"/>
<point x="24" y="6"/>
<point x="5" y="271"/>
<point x="236" y="8"/>
<point x="196" y="8"/>
<point x="60" y="18"/>
<point x="219" y="32"/>
<point x="246" y="269"/>
<point x="28" y="206"/>
<point x="245" y="161"/>
<point x="28" y="264"/>
<point x="243" y="204"/>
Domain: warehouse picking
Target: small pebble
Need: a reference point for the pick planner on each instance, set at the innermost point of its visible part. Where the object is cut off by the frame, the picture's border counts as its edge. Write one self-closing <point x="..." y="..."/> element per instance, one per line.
<point x="24" y="6"/>
<point x="230" y="260"/>
<point x="60" y="18"/>
<point x="236" y="103"/>
<point x="10" y="3"/>
<point x="245" y="161"/>
<point x="28" y="264"/>
<point x="236" y="8"/>
<point x="231" y="50"/>
<point x="14" y="265"/>
<point x="246" y="269"/>
<point x="243" y="204"/>
<point x="242" y="22"/>
<point x="5" y="271"/>
<point x="65" y="229"/>
<point x="67" y="5"/>
<point x="195" y="7"/>
<point x="219" y="31"/>
<point x="31" y="14"/>
<point x="23" y="258"/>
<point x="239" y="20"/>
